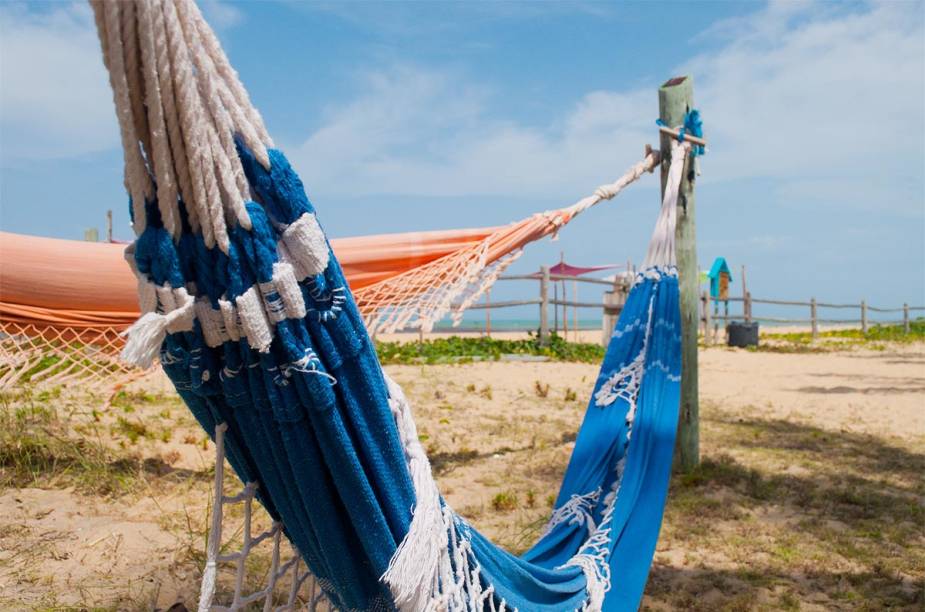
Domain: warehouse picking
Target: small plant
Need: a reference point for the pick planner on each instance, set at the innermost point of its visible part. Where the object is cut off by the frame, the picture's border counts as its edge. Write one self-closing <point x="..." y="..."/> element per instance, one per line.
<point x="550" y="500"/>
<point x="531" y="498"/>
<point x="504" y="501"/>
<point x="133" y="430"/>
<point x="570" y="395"/>
<point x="470" y="388"/>
<point x="540" y="389"/>
<point x="486" y="392"/>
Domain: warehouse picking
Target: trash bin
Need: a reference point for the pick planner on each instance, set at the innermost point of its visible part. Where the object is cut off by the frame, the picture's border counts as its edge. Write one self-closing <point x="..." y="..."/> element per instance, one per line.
<point x="742" y="334"/>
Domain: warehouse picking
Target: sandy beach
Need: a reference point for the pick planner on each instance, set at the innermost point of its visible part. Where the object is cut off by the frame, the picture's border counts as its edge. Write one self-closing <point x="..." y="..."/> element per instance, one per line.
<point x="499" y="435"/>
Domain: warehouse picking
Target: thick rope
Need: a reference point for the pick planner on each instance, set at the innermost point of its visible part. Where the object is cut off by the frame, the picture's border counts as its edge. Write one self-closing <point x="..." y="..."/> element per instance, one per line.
<point x="171" y="117"/>
<point x="163" y="164"/>
<point x="136" y="181"/>
<point x="230" y="173"/>
<point x="230" y="77"/>
<point x="205" y="191"/>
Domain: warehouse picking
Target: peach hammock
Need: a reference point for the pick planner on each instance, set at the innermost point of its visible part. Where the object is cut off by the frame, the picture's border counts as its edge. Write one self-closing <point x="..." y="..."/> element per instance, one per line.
<point x="64" y="303"/>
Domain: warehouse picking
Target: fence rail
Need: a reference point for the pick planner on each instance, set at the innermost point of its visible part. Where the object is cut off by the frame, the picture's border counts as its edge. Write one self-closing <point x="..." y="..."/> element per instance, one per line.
<point x="710" y="330"/>
<point x="615" y="297"/>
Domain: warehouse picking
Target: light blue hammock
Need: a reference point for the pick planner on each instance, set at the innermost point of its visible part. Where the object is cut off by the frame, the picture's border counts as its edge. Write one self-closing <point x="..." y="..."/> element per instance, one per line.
<point x="258" y="330"/>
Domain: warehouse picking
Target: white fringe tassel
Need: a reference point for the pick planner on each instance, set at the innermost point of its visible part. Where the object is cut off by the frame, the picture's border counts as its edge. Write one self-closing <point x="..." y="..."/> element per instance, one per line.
<point x="414" y="573"/>
<point x="147" y="334"/>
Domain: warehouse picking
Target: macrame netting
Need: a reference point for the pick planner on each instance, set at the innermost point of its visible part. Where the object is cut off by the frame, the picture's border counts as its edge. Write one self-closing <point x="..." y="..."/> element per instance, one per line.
<point x="247" y="308"/>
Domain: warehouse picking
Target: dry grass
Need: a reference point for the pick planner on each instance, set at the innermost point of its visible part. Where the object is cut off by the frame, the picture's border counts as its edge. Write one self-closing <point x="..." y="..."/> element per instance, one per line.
<point x="780" y="515"/>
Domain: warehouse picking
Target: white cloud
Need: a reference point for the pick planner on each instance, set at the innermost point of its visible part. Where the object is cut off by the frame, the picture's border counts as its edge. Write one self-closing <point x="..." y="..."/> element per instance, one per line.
<point x="806" y="94"/>
<point x="55" y="99"/>
<point x="221" y="15"/>
<point x="419" y="132"/>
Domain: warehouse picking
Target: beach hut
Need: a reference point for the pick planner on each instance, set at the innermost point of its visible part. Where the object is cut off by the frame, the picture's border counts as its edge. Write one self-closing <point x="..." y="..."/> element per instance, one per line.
<point x="720" y="279"/>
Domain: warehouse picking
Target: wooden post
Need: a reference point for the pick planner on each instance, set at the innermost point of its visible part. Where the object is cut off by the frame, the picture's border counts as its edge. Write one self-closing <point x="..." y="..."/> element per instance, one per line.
<point x="488" y="312"/>
<point x="716" y="321"/>
<point x="544" y="304"/>
<point x="613" y="304"/>
<point x="705" y="301"/>
<point x="575" y="309"/>
<point x="555" y="310"/>
<point x="564" y="299"/>
<point x="745" y="311"/>
<point x="905" y="318"/>
<point x="748" y="307"/>
<point x="675" y="99"/>
<point x="864" y="317"/>
<point x="813" y="317"/>
<point x="109" y="226"/>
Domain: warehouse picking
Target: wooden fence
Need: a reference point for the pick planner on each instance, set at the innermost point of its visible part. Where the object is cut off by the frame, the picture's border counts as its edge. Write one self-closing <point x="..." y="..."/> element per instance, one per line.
<point x="710" y="321"/>
<point x="612" y="302"/>
<point x="615" y="296"/>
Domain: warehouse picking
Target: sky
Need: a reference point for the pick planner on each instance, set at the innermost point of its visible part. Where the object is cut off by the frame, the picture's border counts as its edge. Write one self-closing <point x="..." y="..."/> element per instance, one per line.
<point x="408" y="116"/>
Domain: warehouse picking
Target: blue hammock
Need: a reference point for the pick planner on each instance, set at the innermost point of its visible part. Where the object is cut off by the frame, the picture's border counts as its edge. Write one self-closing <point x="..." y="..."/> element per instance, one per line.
<point x="250" y="314"/>
<point x="313" y="420"/>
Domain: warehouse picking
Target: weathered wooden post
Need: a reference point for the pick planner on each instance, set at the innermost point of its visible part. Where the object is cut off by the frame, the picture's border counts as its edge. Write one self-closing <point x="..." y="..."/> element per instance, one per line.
<point x="675" y="99"/>
<point x="864" y="317"/>
<point x="488" y="312"/>
<point x="109" y="226"/>
<point x="613" y="305"/>
<point x="705" y="305"/>
<point x="905" y="318"/>
<point x="813" y="317"/>
<point x="544" y="304"/>
<point x="746" y="299"/>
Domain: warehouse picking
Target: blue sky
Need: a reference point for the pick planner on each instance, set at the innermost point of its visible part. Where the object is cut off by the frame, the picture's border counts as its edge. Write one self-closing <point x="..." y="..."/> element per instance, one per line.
<point x="404" y="116"/>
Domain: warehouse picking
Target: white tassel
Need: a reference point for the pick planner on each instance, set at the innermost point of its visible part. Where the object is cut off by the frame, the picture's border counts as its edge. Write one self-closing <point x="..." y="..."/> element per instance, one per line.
<point x="413" y="574"/>
<point x="146" y="335"/>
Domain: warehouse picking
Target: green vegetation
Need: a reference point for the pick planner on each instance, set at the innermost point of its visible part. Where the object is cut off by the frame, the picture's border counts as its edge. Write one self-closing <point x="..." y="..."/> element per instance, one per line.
<point x="504" y="501"/>
<point x="839" y="339"/>
<point x="462" y="350"/>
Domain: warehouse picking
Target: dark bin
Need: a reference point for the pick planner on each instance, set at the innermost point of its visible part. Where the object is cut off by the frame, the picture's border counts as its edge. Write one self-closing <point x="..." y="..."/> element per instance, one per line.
<point x="742" y="334"/>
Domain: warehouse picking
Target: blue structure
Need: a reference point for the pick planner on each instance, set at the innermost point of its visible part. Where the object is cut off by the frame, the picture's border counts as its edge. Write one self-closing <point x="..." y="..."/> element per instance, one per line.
<point x="719" y="268"/>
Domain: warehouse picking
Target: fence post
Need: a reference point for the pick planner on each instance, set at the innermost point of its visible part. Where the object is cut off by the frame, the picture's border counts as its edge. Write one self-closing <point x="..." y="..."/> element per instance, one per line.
<point x="814" y="319"/>
<point x="747" y="305"/>
<point x="864" y="317"/>
<point x="544" y="304"/>
<point x="705" y="304"/>
<point x="613" y="304"/>
<point x="488" y="312"/>
<point x="675" y="99"/>
<point x="905" y="318"/>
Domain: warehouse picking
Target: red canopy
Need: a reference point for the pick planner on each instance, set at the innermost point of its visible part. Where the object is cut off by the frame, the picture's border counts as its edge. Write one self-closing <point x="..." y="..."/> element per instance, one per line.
<point x="565" y="269"/>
